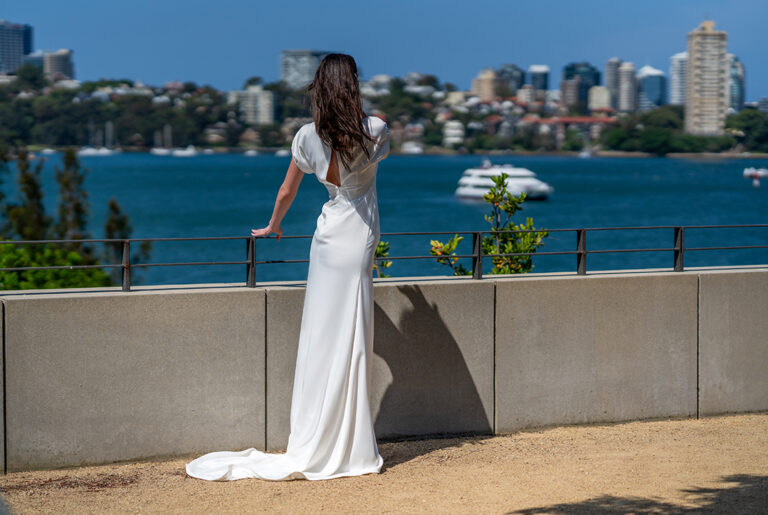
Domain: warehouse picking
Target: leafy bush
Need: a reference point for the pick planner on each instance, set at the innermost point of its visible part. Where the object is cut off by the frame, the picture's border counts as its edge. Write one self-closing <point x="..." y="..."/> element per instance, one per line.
<point x="505" y="237"/>
<point x="13" y="256"/>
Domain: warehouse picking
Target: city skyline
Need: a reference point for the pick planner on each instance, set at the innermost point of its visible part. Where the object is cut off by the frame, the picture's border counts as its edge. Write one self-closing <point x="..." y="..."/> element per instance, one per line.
<point x="167" y="42"/>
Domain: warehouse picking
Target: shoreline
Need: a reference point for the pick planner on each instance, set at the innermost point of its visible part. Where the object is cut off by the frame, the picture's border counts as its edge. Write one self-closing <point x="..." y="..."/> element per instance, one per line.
<point x="446" y="152"/>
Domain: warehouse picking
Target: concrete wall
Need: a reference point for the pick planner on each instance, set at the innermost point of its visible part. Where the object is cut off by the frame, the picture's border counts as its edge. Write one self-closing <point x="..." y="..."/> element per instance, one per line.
<point x="594" y="349"/>
<point x="101" y="378"/>
<point x="101" y="375"/>
<point x="733" y="342"/>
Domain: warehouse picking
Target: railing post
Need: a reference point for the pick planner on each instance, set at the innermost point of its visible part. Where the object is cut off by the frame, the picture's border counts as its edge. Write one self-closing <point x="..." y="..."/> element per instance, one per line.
<point x="250" y="267"/>
<point x="581" y="252"/>
<point x="679" y="247"/>
<point x="126" y="262"/>
<point x="477" y="255"/>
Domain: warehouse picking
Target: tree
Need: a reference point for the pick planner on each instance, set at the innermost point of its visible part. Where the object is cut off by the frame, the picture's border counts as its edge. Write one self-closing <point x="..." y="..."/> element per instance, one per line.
<point x="189" y="87"/>
<point x="14" y="255"/>
<point x="73" y="203"/>
<point x="656" y="140"/>
<point x="4" y="159"/>
<point x="252" y="81"/>
<point x="27" y="218"/>
<point x="29" y="76"/>
<point x="118" y="226"/>
<point x="664" y="117"/>
<point x="573" y="140"/>
<point x="754" y="125"/>
<point x="27" y="221"/>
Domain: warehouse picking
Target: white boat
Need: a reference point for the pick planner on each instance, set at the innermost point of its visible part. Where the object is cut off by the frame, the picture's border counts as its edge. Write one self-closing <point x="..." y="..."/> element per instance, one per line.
<point x="190" y="151"/>
<point x="475" y="182"/>
<point x="251" y="152"/>
<point x="412" y="147"/>
<point x="91" y="151"/>
<point x="283" y="153"/>
<point x="208" y="151"/>
<point x="160" y="151"/>
<point x="48" y="151"/>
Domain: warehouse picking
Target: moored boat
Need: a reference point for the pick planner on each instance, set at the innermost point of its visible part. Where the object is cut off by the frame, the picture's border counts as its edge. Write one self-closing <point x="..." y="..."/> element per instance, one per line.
<point x="475" y="182"/>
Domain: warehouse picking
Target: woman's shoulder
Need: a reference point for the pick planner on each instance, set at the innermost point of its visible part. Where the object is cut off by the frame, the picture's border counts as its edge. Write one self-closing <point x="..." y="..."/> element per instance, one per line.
<point x="375" y="125"/>
<point x="306" y="129"/>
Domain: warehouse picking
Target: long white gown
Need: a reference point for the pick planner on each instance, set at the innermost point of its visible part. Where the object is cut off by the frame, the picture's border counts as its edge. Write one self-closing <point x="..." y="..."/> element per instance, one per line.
<point x="331" y="427"/>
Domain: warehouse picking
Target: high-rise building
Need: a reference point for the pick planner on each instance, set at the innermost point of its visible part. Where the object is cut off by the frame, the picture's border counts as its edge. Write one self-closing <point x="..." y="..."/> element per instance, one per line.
<point x="15" y="43"/>
<point x="651" y="88"/>
<point x="627" y="88"/>
<point x="484" y="85"/>
<point x="706" y="99"/>
<point x="27" y="40"/>
<point x="612" y="79"/>
<point x="526" y="94"/>
<point x="599" y="98"/>
<point x="569" y="91"/>
<point x="58" y="65"/>
<point x="539" y="76"/>
<point x="35" y="59"/>
<point x="736" y="83"/>
<point x="678" y="78"/>
<point x="297" y="67"/>
<point x="762" y="104"/>
<point x="588" y="76"/>
<point x="511" y="76"/>
<point x="256" y="104"/>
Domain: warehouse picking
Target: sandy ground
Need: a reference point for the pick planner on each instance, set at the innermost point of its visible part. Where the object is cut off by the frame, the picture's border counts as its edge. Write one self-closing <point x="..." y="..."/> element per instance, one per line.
<point x="715" y="464"/>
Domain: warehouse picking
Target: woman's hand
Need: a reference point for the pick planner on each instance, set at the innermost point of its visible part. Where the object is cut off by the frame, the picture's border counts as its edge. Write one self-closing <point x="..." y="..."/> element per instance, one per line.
<point x="268" y="230"/>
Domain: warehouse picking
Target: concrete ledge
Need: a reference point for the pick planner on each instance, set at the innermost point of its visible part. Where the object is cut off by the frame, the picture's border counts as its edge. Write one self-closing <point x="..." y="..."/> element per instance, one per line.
<point x="594" y="349"/>
<point x="95" y="379"/>
<point x="733" y="342"/>
<point x="101" y="375"/>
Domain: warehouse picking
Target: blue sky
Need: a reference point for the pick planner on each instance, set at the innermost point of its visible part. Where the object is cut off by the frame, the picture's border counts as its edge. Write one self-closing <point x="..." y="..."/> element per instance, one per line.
<point x="224" y="42"/>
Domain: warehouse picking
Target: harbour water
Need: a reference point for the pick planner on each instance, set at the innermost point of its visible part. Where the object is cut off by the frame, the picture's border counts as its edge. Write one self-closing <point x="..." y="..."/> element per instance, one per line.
<point x="227" y="195"/>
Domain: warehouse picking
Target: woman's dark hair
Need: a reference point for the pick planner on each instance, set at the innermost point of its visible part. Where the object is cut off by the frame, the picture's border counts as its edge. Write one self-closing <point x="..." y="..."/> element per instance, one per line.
<point x="336" y="106"/>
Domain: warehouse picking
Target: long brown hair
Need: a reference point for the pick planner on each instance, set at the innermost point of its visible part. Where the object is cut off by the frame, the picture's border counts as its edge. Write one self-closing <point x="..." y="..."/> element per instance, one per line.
<point x="336" y="106"/>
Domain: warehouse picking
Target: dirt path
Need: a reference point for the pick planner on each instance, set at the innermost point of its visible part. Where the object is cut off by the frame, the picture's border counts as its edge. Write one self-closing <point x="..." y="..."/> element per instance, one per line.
<point x="671" y="466"/>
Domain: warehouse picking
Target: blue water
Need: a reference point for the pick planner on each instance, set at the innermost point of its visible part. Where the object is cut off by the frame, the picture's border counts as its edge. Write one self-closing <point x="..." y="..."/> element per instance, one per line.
<point x="227" y="195"/>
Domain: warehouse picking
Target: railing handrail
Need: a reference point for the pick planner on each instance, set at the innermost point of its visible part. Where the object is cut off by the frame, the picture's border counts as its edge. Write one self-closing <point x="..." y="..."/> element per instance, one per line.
<point x="477" y="255"/>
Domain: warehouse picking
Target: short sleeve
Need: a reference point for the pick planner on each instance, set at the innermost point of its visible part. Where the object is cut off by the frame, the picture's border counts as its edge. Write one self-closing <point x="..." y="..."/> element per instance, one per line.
<point x="381" y="142"/>
<point x="299" y="151"/>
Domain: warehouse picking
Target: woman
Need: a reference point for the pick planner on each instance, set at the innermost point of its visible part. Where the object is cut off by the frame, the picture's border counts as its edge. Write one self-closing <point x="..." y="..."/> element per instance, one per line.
<point x="331" y="424"/>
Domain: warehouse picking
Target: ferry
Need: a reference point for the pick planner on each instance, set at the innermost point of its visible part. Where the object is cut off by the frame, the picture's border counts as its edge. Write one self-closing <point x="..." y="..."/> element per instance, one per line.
<point x="475" y="182"/>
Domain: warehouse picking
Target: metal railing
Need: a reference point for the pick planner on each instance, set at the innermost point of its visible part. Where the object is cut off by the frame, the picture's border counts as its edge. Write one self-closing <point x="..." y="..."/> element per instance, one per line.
<point x="581" y="251"/>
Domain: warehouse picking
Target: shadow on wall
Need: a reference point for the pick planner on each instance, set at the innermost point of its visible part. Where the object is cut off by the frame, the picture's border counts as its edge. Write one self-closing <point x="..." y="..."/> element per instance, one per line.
<point x="431" y="385"/>
<point x="749" y="495"/>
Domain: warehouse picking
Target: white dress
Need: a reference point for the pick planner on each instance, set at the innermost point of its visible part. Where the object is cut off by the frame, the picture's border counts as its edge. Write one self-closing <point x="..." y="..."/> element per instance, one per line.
<point x="331" y="424"/>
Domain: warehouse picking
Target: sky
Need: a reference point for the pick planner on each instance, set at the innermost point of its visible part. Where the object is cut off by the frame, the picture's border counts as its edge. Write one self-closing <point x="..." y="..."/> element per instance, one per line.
<point x="224" y="42"/>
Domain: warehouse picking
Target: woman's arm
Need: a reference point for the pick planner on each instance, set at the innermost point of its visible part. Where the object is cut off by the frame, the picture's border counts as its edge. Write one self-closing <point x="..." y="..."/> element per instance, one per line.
<point x="285" y="196"/>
